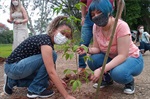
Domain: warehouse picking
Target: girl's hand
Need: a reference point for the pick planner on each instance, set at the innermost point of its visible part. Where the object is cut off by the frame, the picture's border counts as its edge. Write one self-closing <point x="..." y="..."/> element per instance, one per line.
<point x="81" y="50"/>
<point x="96" y="75"/>
<point x="64" y="84"/>
<point x="70" y="97"/>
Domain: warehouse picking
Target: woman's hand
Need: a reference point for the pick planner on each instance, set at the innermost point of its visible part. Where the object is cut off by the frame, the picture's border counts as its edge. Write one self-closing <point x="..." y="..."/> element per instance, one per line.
<point x="17" y="22"/>
<point x="96" y="75"/>
<point x="81" y="50"/>
<point x="9" y="21"/>
<point x="64" y="84"/>
<point x="70" y="97"/>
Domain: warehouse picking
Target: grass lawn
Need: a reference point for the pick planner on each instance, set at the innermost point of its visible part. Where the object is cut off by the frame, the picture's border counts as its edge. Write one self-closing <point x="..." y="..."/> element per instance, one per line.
<point x="5" y="50"/>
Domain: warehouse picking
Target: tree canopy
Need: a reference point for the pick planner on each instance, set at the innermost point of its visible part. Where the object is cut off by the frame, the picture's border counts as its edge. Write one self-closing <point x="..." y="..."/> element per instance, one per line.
<point x="40" y="12"/>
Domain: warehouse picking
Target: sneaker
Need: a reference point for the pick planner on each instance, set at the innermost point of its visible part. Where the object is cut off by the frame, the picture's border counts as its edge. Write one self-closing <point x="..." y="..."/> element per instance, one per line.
<point x="44" y="94"/>
<point x="6" y="88"/>
<point x="103" y="84"/>
<point x="129" y="88"/>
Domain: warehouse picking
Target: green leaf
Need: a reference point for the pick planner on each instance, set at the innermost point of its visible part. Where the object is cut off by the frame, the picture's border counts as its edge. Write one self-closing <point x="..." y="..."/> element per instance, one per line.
<point x="71" y="56"/>
<point x="67" y="71"/>
<point x="66" y="56"/>
<point x="79" y="5"/>
<point x="71" y="82"/>
<point x="79" y="83"/>
<point x="85" y="48"/>
<point x="75" y="71"/>
<point x="75" y="85"/>
<point x="75" y="47"/>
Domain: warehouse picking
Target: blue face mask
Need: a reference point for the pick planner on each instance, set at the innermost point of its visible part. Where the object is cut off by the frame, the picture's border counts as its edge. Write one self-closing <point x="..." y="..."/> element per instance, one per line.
<point x="100" y="20"/>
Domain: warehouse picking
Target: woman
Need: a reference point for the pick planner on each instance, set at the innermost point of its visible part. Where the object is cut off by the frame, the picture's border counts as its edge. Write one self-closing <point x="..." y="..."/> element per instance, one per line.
<point x="87" y="28"/>
<point x="19" y="18"/>
<point x="142" y="40"/>
<point x="125" y="60"/>
<point x="32" y="63"/>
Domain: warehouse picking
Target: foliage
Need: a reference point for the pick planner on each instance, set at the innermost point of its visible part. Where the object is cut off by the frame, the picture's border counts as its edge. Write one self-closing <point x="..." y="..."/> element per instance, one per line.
<point x="70" y="8"/>
<point x="40" y="14"/>
<point x="76" y="80"/>
<point x="6" y="37"/>
<point x="5" y="50"/>
<point x="137" y="12"/>
<point x="69" y="52"/>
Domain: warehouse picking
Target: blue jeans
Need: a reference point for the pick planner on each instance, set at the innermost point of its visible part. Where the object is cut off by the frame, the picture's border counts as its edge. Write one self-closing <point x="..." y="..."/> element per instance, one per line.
<point x="144" y="46"/>
<point x="86" y="36"/>
<point x="29" y="72"/>
<point x="122" y="73"/>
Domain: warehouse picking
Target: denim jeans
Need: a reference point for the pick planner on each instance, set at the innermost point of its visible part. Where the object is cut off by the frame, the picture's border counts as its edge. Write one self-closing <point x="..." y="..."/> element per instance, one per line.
<point x="144" y="46"/>
<point x="29" y="72"/>
<point x="86" y="36"/>
<point x="122" y="73"/>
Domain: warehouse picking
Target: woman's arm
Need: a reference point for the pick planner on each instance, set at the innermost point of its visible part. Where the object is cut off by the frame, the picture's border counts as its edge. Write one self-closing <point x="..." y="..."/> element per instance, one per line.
<point x="95" y="48"/>
<point x="47" y="55"/>
<point x="147" y="34"/>
<point x="123" y="50"/>
<point x="11" y="19"/>
<point x="25" y="15"/>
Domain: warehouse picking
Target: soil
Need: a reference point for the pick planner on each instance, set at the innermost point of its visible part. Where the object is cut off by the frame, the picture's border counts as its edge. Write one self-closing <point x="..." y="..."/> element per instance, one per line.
<point x="115" y="91"/>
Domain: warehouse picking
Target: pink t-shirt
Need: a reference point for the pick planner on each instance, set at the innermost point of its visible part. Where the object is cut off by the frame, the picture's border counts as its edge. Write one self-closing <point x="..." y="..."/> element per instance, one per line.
<point x="122" y="29"/>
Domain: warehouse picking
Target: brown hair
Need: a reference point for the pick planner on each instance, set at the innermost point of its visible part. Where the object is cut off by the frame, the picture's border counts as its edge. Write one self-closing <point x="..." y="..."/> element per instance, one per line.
<point x="138" y="33"/>
<point x="57" y="22"/>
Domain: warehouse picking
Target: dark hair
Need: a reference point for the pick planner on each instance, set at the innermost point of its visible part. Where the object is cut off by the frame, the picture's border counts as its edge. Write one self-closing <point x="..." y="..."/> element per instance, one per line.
<point x="102" y="5"/>
<point x="57" y="22"/>
<point x="138" y="33"/>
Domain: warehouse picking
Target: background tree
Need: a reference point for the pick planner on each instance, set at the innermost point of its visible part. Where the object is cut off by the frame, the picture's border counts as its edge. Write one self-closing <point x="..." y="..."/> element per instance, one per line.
<point x="40" y="13"/>
<point x="41" y="10"/>
<point x="6" y="37"/>
<point x="137" y="12"/>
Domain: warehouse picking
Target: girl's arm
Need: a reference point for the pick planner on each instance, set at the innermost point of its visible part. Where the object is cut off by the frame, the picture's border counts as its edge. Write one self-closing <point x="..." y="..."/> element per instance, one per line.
<point x="47" y="55"/>
<point x="123" y="50"/>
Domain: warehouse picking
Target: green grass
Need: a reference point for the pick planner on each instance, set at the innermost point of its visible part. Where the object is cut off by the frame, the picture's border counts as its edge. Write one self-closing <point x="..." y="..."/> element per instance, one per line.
<point x="5" y="50"/>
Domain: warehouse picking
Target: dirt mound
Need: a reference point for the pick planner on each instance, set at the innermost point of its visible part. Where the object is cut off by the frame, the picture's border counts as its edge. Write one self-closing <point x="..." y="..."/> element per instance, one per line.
<point x="2" y="59"/>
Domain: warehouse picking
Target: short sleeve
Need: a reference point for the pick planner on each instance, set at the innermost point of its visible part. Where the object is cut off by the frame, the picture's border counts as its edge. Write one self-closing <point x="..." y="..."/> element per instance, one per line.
<point x="44" y="40"/>
<point x="122" y="29"/>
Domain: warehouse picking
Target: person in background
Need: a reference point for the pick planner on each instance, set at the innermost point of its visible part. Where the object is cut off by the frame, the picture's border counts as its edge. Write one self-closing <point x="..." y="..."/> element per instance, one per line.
<point x="86" y="30"/>
<point x="124" y="61"/>
<point x="142" y="39"/>
<point x="32" y="63"/>
<point x="19" y="18"/>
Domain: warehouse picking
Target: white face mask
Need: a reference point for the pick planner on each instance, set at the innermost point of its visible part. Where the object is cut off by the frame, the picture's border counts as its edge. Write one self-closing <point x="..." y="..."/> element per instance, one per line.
<point x="15" y="3"/>
<point x="60" y="39"/>
<point x="141" y="30"/>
